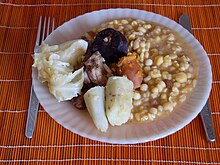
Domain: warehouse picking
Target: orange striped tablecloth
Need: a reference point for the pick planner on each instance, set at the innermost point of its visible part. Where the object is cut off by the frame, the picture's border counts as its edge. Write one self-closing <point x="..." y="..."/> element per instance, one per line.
<point x="51" y="143"/>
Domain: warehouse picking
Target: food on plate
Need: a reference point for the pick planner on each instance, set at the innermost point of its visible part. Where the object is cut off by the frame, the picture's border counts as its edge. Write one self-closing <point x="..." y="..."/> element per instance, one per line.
<point x="79" y="102"/>
<point x="66" y="86"/>
<point x="129" y="66"/>
<point x="55" y="65"/>
<point x="119" y="92"/>
<point x="124" y="70"/>
<point x="111" y="44"/>
<point x="69" y="52"/>
<point x="95" y="103"/>
<point x="168" y="64"/>
<point x="96" y="71"/>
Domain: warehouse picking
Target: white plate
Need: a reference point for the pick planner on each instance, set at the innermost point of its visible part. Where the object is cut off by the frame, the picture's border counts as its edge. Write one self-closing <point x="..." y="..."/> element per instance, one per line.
<point x="80" y="122"/>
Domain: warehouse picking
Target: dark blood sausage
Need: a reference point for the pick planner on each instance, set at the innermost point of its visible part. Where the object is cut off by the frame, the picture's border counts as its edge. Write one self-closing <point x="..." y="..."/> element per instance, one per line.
<point x="111" y="44"/>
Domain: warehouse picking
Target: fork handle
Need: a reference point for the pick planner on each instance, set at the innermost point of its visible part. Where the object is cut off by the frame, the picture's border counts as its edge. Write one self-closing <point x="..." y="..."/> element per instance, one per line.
<point x="32" y="114"/>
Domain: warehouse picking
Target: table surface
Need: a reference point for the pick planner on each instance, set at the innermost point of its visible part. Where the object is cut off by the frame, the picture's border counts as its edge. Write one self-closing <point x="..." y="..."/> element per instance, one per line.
<point x="51" y="142"/>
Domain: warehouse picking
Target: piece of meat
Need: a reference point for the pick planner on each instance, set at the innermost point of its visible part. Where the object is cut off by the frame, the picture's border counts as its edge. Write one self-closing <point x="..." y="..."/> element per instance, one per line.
<point x="129" y="66"/>
<point x="79" y="102"/>
<point x="96" y="71"/>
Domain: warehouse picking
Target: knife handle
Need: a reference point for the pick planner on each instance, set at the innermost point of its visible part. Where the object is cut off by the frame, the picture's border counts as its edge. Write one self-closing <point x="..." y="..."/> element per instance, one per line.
<point x="205" y="114"/>
<point x="32" y="114"/>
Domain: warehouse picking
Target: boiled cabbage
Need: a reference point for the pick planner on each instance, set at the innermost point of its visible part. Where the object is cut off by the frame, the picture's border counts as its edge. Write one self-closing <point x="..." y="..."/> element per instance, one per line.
<point x="55" y="65"/>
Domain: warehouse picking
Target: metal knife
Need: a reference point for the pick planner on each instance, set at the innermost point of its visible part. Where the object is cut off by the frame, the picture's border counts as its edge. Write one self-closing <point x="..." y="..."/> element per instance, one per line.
<point x="205" y="114"/>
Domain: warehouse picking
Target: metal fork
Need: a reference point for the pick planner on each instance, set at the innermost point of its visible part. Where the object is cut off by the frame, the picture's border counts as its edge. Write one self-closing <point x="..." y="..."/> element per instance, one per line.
<point x="33" y="102"/>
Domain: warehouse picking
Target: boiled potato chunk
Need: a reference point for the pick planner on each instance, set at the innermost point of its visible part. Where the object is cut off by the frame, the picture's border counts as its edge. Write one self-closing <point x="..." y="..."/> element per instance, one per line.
<point x="95" y="103"/>
<point x="119" y="92"/>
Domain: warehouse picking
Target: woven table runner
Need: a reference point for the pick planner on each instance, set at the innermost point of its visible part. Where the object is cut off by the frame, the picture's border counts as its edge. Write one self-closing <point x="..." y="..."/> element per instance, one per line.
<point x="53" y="144"/>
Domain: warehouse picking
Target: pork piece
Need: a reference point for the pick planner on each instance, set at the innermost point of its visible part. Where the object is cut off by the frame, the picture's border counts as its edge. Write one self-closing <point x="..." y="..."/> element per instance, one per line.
<point x="129" y="66"/>
<point x="79" y="102"/>
<point x="96" y="70"/>
<point x="89" y="37"/>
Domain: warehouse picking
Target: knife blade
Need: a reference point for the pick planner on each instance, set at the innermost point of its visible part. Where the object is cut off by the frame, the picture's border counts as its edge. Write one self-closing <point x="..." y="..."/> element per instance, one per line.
<point x="205" y="113"/>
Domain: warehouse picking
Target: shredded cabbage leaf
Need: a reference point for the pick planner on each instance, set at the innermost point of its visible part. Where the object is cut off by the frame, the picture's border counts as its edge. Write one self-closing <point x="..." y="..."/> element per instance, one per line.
<point x="55" y="65"/>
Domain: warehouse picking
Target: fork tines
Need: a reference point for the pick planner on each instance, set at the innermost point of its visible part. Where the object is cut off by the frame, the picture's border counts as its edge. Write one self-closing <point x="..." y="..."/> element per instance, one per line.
<point x="48" y="27"/>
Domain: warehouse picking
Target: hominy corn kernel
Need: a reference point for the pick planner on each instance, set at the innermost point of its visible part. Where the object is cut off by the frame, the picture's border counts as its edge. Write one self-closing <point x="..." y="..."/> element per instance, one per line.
<point x="148" y="62"/>
<point x="146" y="99"/>
<point x="115" y="21"/>
<point x="155" y="90"/>
<point x="171" y="37"/>
<point x="124" y="21"/>
<point x="139" y="51"/>
<point x="176" y="84"/>
<point x="163" y="96"/>
<point x="146" y="55"/>
<point x="142" y="44"/>
<point x="189" y="75"/>
<point x="137" y="116"/>
<point x="147" y="26"/>
<point x="162" y="83"/>
<point x="136" y="44"/>
<point x="129" y="27"/>
<point x="141" y="57"/>
<point x="141" y="29"/>
<point x="147" y="45"/>
<point x="146" y="79"/>
<point x="173" y="56"/>
<point x="144" y="118"/>
<point x="143" y="87"/>
<point x="165" y="90"/>
<point x="172" y="101"/>
<point x="157" y="29"/>
<point x="167" y="106"/>
<point x="153" y="111"/>
<point x="137" y="102"/>
<point x="158" y="60"/>
<point x="131" y="37"/>
<point x="143" y="50"/>
<point x="120" y="28"/>
<point x="146" y="69"/>
<point x="160" y="108"/>
<point x="145" y="94"/>
<point x="181" y="77"/>
<point x="136" y="95"/>
<point x="154" y="95"/>
<point x="155" y="73"/>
